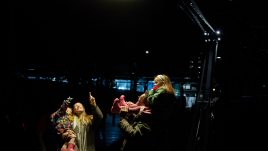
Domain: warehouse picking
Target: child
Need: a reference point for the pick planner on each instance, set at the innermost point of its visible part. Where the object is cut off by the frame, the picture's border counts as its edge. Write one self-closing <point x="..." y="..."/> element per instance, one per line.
<point x="120" y="104"/>
<point x="63" y="121"/>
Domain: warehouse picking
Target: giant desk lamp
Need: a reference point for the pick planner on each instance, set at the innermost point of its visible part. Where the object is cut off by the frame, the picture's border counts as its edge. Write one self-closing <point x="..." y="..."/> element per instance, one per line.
<point x="199" y="137"/>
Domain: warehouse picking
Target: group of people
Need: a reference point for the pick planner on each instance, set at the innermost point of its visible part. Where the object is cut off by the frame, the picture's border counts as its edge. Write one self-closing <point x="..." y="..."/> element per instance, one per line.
<point x="143" y="123"/>
<point x="75" y="126"/>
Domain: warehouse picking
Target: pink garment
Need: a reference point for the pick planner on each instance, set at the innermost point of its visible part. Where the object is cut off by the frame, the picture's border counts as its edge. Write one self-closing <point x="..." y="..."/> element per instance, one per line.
<point x="116" y="106"/>
<point x="117" y="103"/>
<point x="132" y="107"/>
<point x="122" y="100"/>
<point x="155" y="87"/>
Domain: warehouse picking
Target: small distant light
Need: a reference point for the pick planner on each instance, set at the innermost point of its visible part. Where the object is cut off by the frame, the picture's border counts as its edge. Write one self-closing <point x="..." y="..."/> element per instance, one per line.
<point x="187" y="78"/>
<point x="65" y="81"/>
<point x="218" y="57"/>
<point x="31" y="77"/>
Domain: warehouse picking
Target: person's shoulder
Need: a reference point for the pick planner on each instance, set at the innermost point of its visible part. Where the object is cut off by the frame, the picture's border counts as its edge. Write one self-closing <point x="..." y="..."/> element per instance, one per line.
<point x="161" y="90"/>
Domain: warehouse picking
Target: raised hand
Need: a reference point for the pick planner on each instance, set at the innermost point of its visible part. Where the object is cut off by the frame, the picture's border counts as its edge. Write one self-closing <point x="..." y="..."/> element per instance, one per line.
<point x="92" y="100"/>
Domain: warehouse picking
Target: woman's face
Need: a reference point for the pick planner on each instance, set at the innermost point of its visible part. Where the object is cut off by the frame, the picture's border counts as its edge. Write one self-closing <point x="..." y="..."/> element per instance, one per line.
<point x="78" y="108"/>
<point x="158" y="81"/>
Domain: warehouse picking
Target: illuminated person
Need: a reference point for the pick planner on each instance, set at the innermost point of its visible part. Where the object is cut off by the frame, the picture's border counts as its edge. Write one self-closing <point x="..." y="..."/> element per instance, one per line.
<point x="63" y="119"/>
<point x="85" y="125"/>
<point x="135" y="124"/>
<point x="160" y="100"/>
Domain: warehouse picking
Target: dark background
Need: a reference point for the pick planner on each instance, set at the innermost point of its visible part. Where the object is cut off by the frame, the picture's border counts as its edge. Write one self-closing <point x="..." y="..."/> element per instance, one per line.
<point x="108" y="37"/>
<point x="111" y="37"/>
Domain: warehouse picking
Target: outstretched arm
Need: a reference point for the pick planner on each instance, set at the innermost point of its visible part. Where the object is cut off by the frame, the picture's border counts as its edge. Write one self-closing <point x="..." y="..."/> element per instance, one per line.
<point x="138" y="129"/>
<point x="61" y="111"/>
<point x="97" y="113"/>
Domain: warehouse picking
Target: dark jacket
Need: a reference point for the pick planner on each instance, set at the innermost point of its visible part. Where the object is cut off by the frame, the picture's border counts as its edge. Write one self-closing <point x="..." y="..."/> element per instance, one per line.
<point x="162" y="108"/>
<point x="136" y="133"/>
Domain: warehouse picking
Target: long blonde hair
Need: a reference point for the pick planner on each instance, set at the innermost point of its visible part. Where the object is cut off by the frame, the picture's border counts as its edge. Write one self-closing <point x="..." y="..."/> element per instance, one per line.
<point x="84" y="118"/>
<point x="166" y="83"/>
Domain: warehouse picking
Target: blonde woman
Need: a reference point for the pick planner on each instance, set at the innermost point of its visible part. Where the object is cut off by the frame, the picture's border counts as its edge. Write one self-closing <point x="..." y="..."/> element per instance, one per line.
<point x="162" y="85"/>
<point x="161" y="99"/>
<point x="85" y="125"/>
